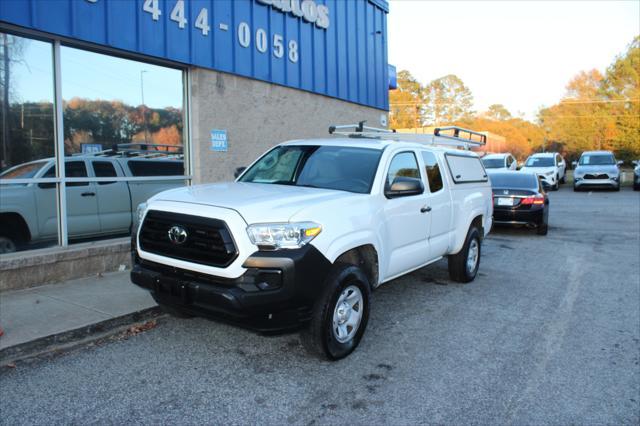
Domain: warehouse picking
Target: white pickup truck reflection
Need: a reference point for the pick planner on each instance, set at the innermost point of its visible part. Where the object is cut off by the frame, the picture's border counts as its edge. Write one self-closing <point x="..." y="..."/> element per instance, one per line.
<point x="94" y="209"/>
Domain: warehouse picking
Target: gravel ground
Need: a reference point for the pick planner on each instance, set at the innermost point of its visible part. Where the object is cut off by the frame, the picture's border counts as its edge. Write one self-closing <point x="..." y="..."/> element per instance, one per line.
<point x="547" y="334"/>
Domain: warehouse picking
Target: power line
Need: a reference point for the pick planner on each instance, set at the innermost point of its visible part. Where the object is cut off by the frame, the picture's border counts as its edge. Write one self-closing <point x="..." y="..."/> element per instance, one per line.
<point x="608" y="101"/>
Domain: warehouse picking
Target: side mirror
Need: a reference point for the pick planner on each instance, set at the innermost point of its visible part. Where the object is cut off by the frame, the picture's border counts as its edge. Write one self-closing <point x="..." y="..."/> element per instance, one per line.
<point x="620" y="163"/>
<point x="574" y="164"/>
<point x="404" y="186"/>
<point x="239" y="171"/>
<point x="634" y="162"/>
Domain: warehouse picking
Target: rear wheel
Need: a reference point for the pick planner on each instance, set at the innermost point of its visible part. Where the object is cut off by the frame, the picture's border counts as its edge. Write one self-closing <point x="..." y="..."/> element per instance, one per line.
<point x="463" y="266"/>
<point x="542" y="229"/>
<point x="340" y="315"/>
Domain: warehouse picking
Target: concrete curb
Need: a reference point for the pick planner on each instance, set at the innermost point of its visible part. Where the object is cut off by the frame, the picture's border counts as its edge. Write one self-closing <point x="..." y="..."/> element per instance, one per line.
<point x="70" y="339"/>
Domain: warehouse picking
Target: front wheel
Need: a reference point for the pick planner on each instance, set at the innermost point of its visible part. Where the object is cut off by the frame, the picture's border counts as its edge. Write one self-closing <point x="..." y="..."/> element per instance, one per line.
<point x="463" y="266"/>
<point x="7" y="245"/>
<point x="340" y="315"/>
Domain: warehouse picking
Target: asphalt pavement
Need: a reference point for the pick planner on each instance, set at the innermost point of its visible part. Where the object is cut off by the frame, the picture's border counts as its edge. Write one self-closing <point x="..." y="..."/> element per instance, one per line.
<point x="549" y="333"/>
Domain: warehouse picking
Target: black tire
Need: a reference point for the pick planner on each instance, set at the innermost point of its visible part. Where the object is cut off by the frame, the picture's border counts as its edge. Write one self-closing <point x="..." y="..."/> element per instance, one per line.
<point x="320" y="338"/>
<point x="617" y="188"/>
<point x="575" y="189"/>
<point x="556" y="186"/>
<point x="7" y="244"/>
<point x="458" y="270"/>
<point x="636" y="187"/>
<point x="542" y="229"/>
<point x="564" y="179"/>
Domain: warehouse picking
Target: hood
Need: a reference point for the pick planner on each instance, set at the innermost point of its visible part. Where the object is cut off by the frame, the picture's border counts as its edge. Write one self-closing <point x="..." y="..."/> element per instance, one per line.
<point x="604" y="168"/>
<point x="255" y="202"/>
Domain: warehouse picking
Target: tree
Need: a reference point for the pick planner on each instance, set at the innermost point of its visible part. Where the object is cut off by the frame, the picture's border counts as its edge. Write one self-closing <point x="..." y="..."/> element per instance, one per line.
<point x="447" y="100"/>
<point x="600" y="111"/>
<point x="405" y="103"/>
<point x="498" y="112"/>
<point x="622" y="85"/>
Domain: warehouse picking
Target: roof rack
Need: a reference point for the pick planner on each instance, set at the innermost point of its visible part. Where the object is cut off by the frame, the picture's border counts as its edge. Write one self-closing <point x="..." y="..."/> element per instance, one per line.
<point x="458" y="137"/>
<point x="143" y="150"/>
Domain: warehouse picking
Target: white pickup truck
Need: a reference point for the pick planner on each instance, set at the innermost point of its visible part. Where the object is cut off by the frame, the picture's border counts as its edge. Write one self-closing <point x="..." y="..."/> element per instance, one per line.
<point x="307" y="231"/>
<point x="94" y="209"/>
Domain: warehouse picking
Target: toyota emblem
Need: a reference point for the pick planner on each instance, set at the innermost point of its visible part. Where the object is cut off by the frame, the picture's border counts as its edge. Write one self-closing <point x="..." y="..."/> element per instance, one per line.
<point x="177" y="234"/>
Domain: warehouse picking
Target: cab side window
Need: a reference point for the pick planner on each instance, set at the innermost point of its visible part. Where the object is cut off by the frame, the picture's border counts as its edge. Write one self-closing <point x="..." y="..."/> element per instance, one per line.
<point x="509" y="161"/>
<point x="434" y="177"/>
<point x="403" y="165"/>
<point x="104" y="169"/>
<point x="72" y="169"/>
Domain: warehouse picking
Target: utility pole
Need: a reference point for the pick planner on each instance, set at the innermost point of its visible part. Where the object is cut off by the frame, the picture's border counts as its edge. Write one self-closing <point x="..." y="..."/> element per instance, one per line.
<point x="144" y="108"/>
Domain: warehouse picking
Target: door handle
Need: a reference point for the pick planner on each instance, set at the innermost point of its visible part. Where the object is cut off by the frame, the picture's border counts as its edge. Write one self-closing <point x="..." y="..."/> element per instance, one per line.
<point x="425" y="209"/>
<point x="88" y="194"/>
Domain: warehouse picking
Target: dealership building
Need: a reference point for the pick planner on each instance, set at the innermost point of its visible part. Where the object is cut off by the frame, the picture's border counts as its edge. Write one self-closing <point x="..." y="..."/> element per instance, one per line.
<point x="179" y="92"/>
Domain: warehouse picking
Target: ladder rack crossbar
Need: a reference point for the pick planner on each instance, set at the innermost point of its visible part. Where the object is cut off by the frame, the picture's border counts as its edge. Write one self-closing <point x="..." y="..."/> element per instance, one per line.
<point x="459" y="136"/>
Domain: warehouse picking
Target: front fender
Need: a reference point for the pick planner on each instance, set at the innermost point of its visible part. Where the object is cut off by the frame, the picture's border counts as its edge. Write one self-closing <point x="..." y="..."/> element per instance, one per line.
<point x="23" y="207"/>
<point x="334" y="249"/>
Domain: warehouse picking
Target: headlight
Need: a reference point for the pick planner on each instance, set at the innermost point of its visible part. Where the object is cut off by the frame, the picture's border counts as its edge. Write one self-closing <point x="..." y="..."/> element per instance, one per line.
<point x="549" y="173"/>
<point x="137" y="218"/>
<point x="283" y="235"/>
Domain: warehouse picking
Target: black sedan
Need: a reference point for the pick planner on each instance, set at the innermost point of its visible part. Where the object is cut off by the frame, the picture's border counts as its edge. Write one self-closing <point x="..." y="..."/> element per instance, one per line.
<point x="520" y="199"/>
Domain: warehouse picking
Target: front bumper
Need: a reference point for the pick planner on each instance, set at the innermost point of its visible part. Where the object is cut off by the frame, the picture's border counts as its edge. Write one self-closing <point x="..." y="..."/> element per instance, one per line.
<point x="551" y="180"/>
<point x="600" y="183"/>
<point x="276" y="292"/>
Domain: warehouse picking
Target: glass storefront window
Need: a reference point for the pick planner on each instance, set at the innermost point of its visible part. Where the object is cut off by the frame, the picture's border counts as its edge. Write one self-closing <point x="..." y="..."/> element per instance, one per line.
<point x="111" y="101"/>
<point x="128" y="115"/>
<point x="122" y="119"/>
<point x="28" y="215"/>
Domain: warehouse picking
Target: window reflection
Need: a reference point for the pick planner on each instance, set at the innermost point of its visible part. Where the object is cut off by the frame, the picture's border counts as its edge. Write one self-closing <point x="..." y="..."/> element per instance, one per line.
<point x="28" y="215"/>
<point x="26" y="92"/>
<point x="111" y="101"/>
<point x="122" y="118"/>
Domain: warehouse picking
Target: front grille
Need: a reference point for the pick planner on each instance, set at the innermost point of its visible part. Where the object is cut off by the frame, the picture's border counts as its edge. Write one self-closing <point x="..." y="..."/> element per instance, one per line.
<point x="596" y="176"/>
<point x="208" y="241"/>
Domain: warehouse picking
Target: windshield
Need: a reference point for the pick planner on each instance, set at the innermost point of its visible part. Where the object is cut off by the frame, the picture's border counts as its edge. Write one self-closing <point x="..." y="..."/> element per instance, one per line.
<point x="22" y="171"/>
<point x="597" y="160"/>
<point x="515" y="180"/>
<point x="329" y="167"/>
<point x="493" y="163"/>
<point x="540" y="162"/>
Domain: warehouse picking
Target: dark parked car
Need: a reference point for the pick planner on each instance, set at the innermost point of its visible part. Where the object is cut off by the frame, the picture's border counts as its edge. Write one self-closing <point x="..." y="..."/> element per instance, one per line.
<point x="520" y="199"/>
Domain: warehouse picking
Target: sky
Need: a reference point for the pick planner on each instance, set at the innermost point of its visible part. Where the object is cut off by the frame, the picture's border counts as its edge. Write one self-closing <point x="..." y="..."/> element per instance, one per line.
<point x="520" y="54"/>
<point x="93" y="76"/>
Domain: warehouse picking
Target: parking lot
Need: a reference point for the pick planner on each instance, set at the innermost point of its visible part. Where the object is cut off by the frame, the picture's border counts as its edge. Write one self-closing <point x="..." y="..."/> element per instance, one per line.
<point x="549" y="333"/>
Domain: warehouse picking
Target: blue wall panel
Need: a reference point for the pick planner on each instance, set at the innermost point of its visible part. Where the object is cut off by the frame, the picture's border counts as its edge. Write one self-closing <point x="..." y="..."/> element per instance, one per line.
<point x="346" y="59"/>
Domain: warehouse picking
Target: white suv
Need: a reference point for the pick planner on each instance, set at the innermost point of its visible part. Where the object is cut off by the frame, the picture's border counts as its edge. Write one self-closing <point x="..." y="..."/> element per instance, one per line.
<point x="550" y="166"/>
<point x="307" y="231"/>
<point x="503" y="161"/>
